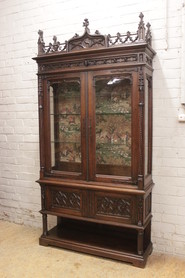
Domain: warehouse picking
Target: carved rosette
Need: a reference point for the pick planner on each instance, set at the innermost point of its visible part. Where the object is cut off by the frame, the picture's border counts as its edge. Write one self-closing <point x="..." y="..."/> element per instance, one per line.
<point x="114" y="206"/>
<point x="68" y="200"/>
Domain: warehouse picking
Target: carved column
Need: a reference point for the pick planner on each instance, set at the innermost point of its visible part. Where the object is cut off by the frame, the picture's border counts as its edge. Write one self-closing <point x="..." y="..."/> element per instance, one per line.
<point x="141" y="128"/>
<point x="140" y="241"/>
<point x="41" y="124"/>
<point x="44" y="215"/>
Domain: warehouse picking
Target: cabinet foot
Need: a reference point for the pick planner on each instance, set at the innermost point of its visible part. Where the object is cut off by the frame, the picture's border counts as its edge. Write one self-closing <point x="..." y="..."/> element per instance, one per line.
<point x="43" y="242"/>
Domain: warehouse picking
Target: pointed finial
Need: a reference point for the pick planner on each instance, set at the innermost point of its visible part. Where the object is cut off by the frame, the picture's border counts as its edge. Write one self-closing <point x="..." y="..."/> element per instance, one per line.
<point x="41" y="43"/>
<point x="148" y="36"/>
<point x="86" y="23"/>
<point x="141" y="16"/>
<point x="141" y="28"/>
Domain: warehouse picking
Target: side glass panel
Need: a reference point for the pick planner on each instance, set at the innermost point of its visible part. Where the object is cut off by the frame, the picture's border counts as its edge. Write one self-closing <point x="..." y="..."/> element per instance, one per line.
<point x="65" y="125"/>
<point x="146" y="126"/>
<point x="113" y="125"/>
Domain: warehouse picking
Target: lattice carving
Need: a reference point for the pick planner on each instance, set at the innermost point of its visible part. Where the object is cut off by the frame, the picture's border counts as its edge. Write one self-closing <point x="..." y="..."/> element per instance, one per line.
<point x="70" y="200"/>
<point x="114" y="206"/>
<point x="88" y="41"/>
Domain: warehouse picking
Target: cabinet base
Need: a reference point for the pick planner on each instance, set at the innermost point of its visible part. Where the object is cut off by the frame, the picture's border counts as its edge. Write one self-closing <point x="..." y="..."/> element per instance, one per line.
<point x="114" y="243"/>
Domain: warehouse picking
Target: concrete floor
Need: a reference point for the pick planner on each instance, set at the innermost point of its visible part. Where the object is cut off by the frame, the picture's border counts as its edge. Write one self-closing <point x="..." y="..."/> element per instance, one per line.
<point x="21" y="257"/>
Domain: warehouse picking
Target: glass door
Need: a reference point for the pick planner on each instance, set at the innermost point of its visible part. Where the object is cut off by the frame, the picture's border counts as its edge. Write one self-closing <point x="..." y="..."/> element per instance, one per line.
<point x="112" y="147"/>
<point x="67" y="131"/>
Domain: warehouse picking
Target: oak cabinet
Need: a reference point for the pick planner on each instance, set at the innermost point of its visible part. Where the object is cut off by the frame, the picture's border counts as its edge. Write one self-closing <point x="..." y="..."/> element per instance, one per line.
<point x="95" y="120"/>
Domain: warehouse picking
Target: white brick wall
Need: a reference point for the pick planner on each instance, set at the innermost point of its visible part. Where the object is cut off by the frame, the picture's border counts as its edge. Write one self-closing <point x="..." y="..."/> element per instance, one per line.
<point x="19" y="148"/>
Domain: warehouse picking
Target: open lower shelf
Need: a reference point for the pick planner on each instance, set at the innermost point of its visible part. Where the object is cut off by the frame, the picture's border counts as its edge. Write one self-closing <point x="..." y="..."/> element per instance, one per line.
<point x="97" y="239"/>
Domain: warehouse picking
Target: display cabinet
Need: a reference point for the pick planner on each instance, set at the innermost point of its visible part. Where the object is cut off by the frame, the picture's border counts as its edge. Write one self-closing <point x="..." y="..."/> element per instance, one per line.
<point x="95" y="120"/>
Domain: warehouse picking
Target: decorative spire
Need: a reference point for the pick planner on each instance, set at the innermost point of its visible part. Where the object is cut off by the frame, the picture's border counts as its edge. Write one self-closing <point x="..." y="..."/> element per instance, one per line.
<point x="141" y="28"/>
<point x="41" y="43"/>
<point x="56" y="44"/>
<point x="86" y="24"/>
<point x="148" y="37"/>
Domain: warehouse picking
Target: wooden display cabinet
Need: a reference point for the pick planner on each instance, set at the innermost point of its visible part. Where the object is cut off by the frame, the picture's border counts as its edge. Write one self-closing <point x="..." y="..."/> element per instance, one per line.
<point x="95" y="120"/>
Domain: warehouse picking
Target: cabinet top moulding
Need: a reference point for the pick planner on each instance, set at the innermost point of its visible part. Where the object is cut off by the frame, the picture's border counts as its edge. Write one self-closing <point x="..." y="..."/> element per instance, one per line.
<point x="97" y="41"/>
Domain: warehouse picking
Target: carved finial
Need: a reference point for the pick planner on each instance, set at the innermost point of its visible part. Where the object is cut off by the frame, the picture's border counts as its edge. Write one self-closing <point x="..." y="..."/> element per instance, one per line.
<point x="141" y="16"/>
<point x="54" y="39"/>
<point x="86" y="24"/>
<point x="76" y="35"/>
<point x="41" y="43"/>
<point x="56" y="44"/>
<point x="97" y="32"/>
<point x="148" y="37"/>
<point x="141" y="28"/>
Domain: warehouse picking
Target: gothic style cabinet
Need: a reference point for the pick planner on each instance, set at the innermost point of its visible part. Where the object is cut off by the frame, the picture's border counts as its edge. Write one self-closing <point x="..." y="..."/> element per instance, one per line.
<point x="95" y="119"/>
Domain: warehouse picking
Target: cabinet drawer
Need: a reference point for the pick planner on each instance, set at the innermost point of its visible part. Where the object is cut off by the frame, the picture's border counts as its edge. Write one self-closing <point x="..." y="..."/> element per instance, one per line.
<point x="114" y="207"/>
<point x="64" y="200"/>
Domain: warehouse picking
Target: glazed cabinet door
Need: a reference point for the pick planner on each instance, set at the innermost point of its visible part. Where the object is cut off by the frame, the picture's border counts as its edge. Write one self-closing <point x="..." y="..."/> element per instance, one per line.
<point x="113" y="126"/>
<point x="65" y="133"/>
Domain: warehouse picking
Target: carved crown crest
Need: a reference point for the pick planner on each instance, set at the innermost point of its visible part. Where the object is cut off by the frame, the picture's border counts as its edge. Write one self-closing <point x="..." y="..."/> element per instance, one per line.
<point x="96" y="40"/>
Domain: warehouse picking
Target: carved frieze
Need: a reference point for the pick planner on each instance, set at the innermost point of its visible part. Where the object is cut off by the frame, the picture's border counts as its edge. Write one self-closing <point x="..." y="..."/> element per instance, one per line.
<point x="68" y="200"/>
<point x="89" y="62"/>
<point x="114" y="206"/>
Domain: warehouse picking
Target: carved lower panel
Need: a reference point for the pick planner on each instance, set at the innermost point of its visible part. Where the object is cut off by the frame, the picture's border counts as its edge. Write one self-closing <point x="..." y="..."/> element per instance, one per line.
<point x="148" y="205"/>
<point x="114" y="206"/>
<point x="68" y="200"/>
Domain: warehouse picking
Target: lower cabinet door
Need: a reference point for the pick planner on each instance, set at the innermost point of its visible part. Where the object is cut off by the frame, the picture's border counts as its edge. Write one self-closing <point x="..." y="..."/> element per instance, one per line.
<point x="114" y="207"/>
<point x="105" y="206"/>
<point x="63" y="200"/>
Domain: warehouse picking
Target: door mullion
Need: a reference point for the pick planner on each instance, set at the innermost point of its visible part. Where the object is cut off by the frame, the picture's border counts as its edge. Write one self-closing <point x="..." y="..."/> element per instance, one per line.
<point x="91" y="127"/>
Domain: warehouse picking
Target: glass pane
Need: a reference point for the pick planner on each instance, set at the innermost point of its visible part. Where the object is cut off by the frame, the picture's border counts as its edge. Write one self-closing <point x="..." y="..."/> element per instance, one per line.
<point x="146" y="127"/>
<point x="113" y="125"/>
<point x="65" y="127"/>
